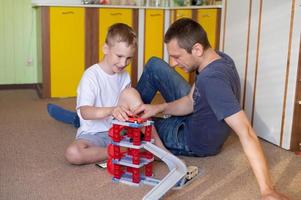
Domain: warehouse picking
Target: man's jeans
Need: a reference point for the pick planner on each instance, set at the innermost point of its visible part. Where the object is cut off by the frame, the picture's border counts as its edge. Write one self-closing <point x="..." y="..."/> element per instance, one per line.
<point x="159" y="76"/>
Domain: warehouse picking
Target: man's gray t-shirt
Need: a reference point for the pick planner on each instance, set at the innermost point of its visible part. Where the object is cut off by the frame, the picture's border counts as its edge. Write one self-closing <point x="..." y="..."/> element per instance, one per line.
<point x="216" y="97"/>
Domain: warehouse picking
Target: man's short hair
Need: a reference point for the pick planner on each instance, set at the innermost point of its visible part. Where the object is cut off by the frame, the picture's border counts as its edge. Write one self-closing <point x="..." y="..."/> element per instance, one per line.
<point x="120" y="32"/>
<point x="187" y="32"/>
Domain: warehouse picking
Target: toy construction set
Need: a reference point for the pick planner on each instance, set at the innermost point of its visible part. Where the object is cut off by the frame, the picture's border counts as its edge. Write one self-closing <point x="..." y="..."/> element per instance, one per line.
<point x="131" y="155"/>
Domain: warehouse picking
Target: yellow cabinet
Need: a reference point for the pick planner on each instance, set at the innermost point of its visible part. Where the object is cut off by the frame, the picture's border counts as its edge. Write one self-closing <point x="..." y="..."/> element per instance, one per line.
<point x="67" y="60"/>
<point x="209" y="19"/>
<point x="153" y="33"/>
<point x="108" y="17"/>
<point x="175" y="15"/>
<point x="180" y="13"/>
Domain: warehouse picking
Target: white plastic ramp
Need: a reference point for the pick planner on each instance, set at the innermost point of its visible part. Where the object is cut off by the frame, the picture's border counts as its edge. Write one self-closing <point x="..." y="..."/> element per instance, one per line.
<point x="177" y="170"/>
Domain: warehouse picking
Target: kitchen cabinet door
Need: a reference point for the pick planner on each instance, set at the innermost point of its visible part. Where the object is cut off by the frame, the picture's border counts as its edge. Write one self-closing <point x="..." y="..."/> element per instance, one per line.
<point x="153" y="33"/>
<point x="66" y="50"/>
<point x="210" y="21"/>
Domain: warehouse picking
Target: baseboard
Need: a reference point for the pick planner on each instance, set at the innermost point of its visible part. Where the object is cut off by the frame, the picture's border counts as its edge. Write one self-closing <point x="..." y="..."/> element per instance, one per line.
<point x="34" y="86"/>
<point x="18" y="86"/>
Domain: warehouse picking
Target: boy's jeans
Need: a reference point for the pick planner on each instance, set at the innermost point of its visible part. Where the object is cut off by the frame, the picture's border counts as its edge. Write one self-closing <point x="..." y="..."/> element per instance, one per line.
<point x="159" y="76"/>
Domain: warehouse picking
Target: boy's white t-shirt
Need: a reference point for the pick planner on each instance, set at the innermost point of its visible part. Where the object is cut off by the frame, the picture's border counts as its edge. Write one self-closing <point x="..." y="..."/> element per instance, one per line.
<point x="97" y="88"/>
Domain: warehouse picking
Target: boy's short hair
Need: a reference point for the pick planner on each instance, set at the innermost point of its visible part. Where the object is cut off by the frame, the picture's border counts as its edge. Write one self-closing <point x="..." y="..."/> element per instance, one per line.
<point x="120" y="32"/>
<point x="187" y="32"/>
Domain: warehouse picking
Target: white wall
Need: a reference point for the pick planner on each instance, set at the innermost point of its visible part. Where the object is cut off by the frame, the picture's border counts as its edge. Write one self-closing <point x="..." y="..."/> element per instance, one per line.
<point x="263" y="39"/>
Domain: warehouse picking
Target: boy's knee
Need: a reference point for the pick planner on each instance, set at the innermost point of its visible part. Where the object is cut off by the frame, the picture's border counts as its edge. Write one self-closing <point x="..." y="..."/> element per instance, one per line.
<point x="130" y="91"/>
<point x="130" y="98"/>
<point x="73" y="156"/>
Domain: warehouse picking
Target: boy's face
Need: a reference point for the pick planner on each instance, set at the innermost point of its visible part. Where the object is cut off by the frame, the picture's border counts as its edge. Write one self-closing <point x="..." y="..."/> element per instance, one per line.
<point x="119" y="55"/>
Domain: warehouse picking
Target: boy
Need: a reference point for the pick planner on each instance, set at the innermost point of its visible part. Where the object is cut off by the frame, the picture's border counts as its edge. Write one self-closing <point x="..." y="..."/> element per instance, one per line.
<point x="104" y="93"/>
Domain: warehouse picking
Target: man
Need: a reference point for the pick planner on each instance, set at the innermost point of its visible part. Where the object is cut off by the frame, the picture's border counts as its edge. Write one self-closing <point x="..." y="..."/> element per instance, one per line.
<point x="202" y="115"/>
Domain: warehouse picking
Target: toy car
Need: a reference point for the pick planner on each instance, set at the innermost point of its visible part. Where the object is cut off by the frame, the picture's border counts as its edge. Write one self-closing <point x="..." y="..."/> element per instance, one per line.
<point x="192" y="171"/>
<point x="136" y="120"/>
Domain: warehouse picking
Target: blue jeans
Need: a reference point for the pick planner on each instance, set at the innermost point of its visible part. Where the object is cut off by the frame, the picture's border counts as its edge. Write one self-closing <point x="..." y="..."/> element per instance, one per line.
<point x="159" y="76"/>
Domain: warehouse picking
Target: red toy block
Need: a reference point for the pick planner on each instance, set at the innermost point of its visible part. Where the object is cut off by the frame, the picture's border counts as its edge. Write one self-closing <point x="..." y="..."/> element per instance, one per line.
<point x="149" y="169"/>
<point x="148" y="133"/>
<point x="136" y="156"/>
<point x="148" y="155"/>
<point x="114" y="151"/>
<point x="129" y="132"/>
<point x="130" y="152"/>
<point x="117" y="171"/>
<point x="129" y="169"/>
<point x="114" y="132"/>
<point x="135" y="175"/>
<point x="110" y="166"/>
<point x="136" y="136"/>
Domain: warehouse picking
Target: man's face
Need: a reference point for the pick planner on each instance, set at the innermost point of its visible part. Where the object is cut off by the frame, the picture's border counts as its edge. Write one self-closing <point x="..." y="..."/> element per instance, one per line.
<point x="119" y="56"/>
<point x="180" y="57"/>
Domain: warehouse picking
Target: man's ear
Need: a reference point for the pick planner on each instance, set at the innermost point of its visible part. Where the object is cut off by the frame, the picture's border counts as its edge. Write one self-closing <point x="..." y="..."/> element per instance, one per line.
<point x="197" y="49"/>
<point x="105" y="49"/>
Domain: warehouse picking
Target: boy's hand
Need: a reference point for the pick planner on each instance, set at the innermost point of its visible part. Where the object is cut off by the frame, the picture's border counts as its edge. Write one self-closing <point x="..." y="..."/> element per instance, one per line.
<point x="121" y="113"/>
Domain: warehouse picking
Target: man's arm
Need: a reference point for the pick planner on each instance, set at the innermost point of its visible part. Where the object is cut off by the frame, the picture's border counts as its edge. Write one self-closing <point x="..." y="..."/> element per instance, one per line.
<point x="182" y="106"/>
<point x="253" y="150"/>
<point x="179" y="107"/>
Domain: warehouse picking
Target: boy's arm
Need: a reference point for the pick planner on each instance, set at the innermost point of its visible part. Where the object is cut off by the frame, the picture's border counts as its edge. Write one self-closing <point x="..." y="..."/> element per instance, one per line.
<point x="253" y="150"/>
<point x="94" y="113"/>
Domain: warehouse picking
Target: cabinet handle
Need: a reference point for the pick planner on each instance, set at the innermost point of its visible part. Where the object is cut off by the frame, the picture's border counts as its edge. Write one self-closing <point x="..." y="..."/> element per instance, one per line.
<point x="67" y="12"/>
<point x="155" y="15"/>
<point x="115" y="14"/>
<point x="206" y="15"/>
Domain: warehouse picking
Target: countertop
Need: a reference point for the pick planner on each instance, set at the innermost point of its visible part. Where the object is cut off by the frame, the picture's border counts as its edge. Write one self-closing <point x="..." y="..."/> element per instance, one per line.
<point x="122" y="6"/>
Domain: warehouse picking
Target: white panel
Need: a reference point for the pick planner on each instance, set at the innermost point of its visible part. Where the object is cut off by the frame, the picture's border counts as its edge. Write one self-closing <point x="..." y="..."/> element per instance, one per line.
<point x="252" y="58"/>
<point x="271" y="69"/>
<point x="166" y="26"/>
<point x="221" y="35"/>
<point x="292" y="77"/>
<point x="140" y="42"/>
<point x="236" y="34"/>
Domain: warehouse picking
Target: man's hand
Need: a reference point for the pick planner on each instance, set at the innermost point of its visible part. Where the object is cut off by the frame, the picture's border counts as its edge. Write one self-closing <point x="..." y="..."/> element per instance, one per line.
<point x="121" y="113"/>
<point x="273" y="195"/>
<point x="147" y="110"/>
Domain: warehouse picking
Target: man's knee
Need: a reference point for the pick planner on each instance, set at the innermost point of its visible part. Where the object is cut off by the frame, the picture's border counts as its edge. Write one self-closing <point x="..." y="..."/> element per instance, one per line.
<point x="155" y="63"/>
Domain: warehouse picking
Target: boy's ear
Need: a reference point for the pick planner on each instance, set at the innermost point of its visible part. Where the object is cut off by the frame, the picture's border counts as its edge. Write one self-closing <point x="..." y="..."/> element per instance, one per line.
<point x="105" y="48"/>
<point x="197" y="49"/>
